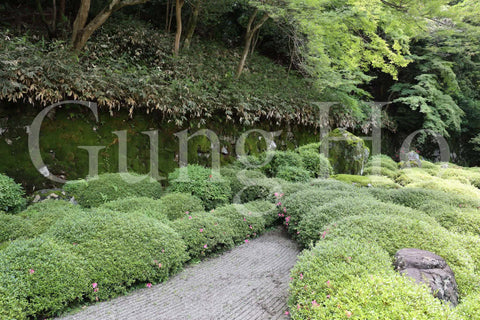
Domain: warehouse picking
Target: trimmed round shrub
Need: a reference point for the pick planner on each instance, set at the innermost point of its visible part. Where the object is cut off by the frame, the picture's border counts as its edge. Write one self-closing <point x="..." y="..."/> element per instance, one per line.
<point x="147" y="206"/>
<point x="315" y="163"/>
<point x="200" y="182"/>
<point x="121" y="250"/>
<point x="204" y="233"/>
<point x="244" y="222"/>
<point x="462" y="220"/>
<point x="44" y="214"/>
<point x="382" y="161"/>
<point x="462" y="175"/>
<point x="342" y="278"/>
<point x="281" y="159"/>
<point x="313" y="225"/>
<point x="265" y="209"/>
<point x="416" y="197"/>
<point x="469" y="308"/>
<point x="109" y="187"/>
<point x="176" y="205"/>
<point x="311" y="147"/>
<point x="447" y="185"/>
<point x="11" y="195"/>
<point x="36" y="219"/>
<point x="38" y="278"/>
<point x="248" y="185"/>
<point x="367" y="181"/>
<point x="293" y="174"/>
<point x="393" y="233"/>
<point x="294" y="206"/>
<point x="380" y="171"/>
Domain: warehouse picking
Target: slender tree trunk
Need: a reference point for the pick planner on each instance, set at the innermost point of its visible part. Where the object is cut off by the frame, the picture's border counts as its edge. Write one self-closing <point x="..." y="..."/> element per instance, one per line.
<point x="82" y="31"/>
<point x="251" y="29"/>
<point x="167" y="16"/>
<point x="170" y="20"/>
<point x="178" y="35"/>
<point x="192" y="24"/>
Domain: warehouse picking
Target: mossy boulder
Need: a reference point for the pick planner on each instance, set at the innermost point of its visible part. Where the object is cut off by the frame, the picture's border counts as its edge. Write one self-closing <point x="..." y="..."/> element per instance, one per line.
<point x="347" y="153"/>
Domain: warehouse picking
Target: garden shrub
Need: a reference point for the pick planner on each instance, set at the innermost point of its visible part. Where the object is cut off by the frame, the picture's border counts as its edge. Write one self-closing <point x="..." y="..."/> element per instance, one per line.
<point x="315" y="163"/>
<point x="364" y="181"/>
<point x="147" y="206"/>
<point x="393" y="233"/>
<point x="410" y="175"/>
<point x="213" y="191"/>
<point x="447" y="185"/>
<point x="121" y="249"/>
<point x="382" y="161"/>
<point x="281" y="159"/>
<point x="462" y="220"/>
<point x="13" y="227"/>
<point x="313" y="223"/>
<point x="175" y="205"/>
<point x="244" y="222"/>
<point x="204" y="233"/>
<point x="38" y="278"/>
<point x="380" y="171"/>
<point x="248" y="185"/>
<point x="293" y="174"/>
<point x="11" y="195"/>
<point x="462" y="175"/>
<point x="294" y="206"/>
<point x="469" y="308"/>
<point x="109" y="187"/>
<point x="310" y="147"/>
<point x="41" y="216"/>
<point x="265" y="209"/>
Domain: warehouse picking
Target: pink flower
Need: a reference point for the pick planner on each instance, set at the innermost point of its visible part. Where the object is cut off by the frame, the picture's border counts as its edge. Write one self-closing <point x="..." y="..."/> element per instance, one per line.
<point x="201" y="230"/>
<point x="328" y="283"/>
<point x="159" y="265"/>
<point x="298" y="232"/>
<point x="95" y="290"/>
<point x="94" y="285"/>
<point x="244" y="219"/>
<point x="149" y="285"/>
<point x="287" y="219"/>
<point x="324" y="234"/>
<point x="276" y="194"/>
<point x="314" y="303"/>
<point x="190" y="217"/>
<point x="298" y="306"/>
<point x="155" y="261"/>
<point x="205" y="246"/>
<point x="246" y="240"/>
<point x="163" y="250"/>
<point x="31" y="271"/>
<point x="279" y="204"/>
<point x="328" y="296"/>
<point x="187" y="212"/>
<point x="210" y="176"/>
<point x="250" y="227"/>
<point x="287" y="313"/>
<point x="348" y="314"/>
<point x="254" y="234"/>
<point x="301" y="276"/>
<point x="285" y="210"/>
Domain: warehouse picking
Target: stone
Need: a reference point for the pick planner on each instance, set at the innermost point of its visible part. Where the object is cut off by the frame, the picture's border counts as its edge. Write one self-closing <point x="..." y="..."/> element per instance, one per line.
<point x="347" y="153"/>
<point x="431" y="269"/>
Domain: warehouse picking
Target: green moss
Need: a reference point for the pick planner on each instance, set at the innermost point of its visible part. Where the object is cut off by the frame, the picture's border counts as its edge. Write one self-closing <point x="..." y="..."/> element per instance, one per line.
<point x="367" y="181"/>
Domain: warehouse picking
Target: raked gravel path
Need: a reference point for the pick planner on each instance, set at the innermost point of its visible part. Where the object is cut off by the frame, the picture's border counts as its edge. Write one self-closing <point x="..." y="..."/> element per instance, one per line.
<point x="247" y="282"/>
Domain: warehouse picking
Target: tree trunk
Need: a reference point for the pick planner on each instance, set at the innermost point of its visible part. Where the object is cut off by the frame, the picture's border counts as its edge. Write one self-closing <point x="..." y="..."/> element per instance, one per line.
<point x="82" y="32"/>
<point x="51" y="26"/>
<point x="192" y="24"/>
<point x="251" y="29"/>
<point x="178" y="35"/>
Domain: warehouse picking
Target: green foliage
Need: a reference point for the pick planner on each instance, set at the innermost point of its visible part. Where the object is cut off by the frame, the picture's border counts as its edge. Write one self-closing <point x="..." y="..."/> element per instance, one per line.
<point x="13" y="227"/>
<point x="248" y="185"/>
<point x="340" y="278"/>
<point x="296" y="205"/>
<point x="200" y="182"/>
<point x="314" y="161"/>
<point x="280" y="159"/>
<point x="367" y="181"/>
<point x="38" y="278"/>
<point x="11" y="195"/>
<point x="177" y="205"/>
<point x="111" y="186"/>
<point x="144" y="205"/>
<point x="263" y="208"/>
<point x="294" y="174"/>
<point x="382" y="161"/>
<point x="393" y="233"/>
<point x="313" y="225"/>
<point x="204" y="233"/>
<point x="121" y="250"/>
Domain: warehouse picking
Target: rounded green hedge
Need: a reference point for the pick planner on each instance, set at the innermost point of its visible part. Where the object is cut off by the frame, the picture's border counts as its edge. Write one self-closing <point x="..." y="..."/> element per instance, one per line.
<point x="281" y="159"/>
<point x="120" y="249"/>
<point x="199" y="181"/>
<point x="38" y="278"/>
<point x="147" y="206"/>
<point x="11" y="195"/>
<point x="177" y="205"/>
<point x="342" y="278"/>
<point x="249" y="185"/>
<point x="382" y="161"/>
<point x="314" y="223"/>
<point x="293" y="174"/>
<point x="315" y="163"/>
<point x="204" y="233"/>
<point x="393" y="233"/>
<point x="111" y="186"/>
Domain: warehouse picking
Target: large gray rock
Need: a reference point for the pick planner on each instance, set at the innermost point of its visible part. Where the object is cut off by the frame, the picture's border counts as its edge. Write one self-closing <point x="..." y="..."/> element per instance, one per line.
<point x="427" y="267"/>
